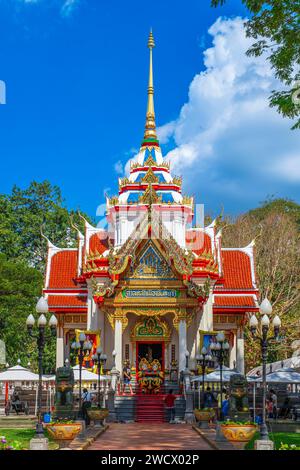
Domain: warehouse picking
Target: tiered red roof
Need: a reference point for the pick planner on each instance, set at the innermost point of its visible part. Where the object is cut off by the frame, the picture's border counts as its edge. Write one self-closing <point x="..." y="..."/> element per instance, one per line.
<point x="63" y="269"/>
<point x="236" y="270"/>
<point x="233" y="302"/>
<point x="65" y="301"/>
<point x="198" y="241"/>
<point x="97" y="243"/>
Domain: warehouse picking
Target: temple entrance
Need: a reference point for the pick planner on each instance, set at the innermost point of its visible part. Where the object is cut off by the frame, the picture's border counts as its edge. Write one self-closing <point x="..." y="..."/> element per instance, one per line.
<point x="150" y="366"/>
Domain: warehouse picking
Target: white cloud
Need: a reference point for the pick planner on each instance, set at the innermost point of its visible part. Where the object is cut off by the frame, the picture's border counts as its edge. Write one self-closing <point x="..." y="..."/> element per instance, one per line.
<point x="68" y="7"/>
<point x="229" y="143"/>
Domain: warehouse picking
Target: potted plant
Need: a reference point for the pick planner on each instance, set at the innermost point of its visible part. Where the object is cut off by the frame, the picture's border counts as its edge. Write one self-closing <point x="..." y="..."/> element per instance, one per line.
<point x="63" y="429"/>
<point x="238" y="431"/>
<point x="204" y="415"/>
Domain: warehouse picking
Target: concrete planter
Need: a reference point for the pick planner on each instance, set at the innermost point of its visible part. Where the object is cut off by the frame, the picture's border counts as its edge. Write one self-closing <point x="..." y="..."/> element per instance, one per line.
<point x="204" y="415"/>
<point x="238" y="432"/>
<point x="63" y="432"/>
<point x="97" y="414"/>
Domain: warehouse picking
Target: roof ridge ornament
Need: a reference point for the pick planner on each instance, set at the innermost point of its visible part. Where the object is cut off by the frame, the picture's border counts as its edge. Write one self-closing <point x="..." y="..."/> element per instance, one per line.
<point x="150" y="126"/>
<point x="50" y="244"/>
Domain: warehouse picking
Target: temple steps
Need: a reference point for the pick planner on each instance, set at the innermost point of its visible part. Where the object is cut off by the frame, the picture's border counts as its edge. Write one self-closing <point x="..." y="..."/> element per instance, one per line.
<point x="150" y="408"/>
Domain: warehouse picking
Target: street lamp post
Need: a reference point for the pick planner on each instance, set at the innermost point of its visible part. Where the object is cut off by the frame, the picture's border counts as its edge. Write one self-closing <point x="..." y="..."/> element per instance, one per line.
<point x="81" y="348"/>
<point x="41" y="338"/>
<point x="203" y="360"/>
<point x="100" y="359"/>
<point x="265" y="310"/>
<point x="220" y="351"/>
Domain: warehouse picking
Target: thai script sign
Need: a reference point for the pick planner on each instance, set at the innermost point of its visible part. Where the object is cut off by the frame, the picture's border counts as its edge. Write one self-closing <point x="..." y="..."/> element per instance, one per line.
<point x="138" y="293"/>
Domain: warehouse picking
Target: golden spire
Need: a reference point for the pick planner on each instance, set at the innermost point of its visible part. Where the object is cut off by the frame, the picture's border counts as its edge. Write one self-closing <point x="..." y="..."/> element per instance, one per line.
<point x="150" y="128"/>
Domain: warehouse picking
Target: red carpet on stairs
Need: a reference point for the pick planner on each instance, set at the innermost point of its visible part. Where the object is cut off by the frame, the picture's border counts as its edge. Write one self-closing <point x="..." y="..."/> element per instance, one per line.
<point x="150" y="408"/>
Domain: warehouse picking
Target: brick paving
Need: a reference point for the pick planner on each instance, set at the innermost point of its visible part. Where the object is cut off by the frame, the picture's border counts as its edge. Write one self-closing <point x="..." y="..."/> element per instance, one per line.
<point x="140" y="436"/>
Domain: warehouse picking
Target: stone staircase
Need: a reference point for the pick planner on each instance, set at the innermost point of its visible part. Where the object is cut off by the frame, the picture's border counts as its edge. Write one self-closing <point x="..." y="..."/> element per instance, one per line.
<point x="125" y="407"/>
<point x="17" y="421"/>
<point x="142" y="407"/>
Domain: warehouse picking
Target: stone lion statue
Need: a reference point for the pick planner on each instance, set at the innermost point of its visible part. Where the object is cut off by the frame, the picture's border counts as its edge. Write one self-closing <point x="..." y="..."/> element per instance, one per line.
<point x="64" y="384"/>
<point x="238" y="394"/>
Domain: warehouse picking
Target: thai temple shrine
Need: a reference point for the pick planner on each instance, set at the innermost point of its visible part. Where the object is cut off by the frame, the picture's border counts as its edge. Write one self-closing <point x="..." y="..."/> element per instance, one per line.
<point x="152" y="288"/>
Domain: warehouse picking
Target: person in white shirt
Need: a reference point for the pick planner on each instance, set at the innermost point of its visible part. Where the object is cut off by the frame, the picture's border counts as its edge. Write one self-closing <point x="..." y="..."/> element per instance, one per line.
<point x="86" y="400"/>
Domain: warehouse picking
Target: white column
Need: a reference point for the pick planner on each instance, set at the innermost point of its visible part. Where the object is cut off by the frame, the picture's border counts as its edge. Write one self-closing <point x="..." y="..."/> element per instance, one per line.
<point x="232" y="356"/>
<point x="101" y="328"/>
<point x="59" y="352"/>
<point x="118" y="345"/>
<point x="93" y="313"/>
<point x="182" y="344"/>
<point x="240" y="359"/>
<point x="207" y="322"/>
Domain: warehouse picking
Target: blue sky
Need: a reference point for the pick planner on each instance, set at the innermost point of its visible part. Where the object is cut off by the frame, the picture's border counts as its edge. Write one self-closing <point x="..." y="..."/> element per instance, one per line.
<point x="76" y="77"/>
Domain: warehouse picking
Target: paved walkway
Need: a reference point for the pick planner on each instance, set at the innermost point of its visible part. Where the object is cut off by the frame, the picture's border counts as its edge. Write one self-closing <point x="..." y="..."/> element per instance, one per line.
<point x="140" y="436"/>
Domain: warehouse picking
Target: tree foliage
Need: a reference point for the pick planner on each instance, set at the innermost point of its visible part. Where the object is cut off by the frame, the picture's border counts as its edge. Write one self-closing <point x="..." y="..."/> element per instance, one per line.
<point x="276" y="227"/>
<point x="20" y="287"/>
<point x="22" y="260"/>
<point x="24" y="212"/>
<point x="275" y="27"/>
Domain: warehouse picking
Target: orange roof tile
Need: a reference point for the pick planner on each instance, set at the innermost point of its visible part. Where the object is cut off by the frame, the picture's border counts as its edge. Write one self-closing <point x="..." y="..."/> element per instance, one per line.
<point x="63" y="269"/>
<point x="234" y="301"/>
<point x="236" y="270"/>
<point x="97" y="244"/>
<point x="198" y="241"/>
<point x="67" y="301"/>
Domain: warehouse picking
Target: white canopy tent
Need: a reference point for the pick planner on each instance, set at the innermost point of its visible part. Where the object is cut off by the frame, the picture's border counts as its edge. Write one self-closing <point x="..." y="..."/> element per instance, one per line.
<point x="292" y="362"/>
<point x="215" y="376"/>
<point x="21" y="374"/>
<point x="18" y="374"/>
<point x="88" y="376"/>
<point x="284" y="375"/>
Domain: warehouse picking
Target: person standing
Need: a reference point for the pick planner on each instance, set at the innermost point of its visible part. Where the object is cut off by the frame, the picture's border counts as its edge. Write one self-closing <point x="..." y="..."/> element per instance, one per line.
<point x="208" y="398"/>
<point x="274" y="401"/>
<point x="86" y="403"/>
<point x="170" y="405"/>
<point x="127" y="377"/>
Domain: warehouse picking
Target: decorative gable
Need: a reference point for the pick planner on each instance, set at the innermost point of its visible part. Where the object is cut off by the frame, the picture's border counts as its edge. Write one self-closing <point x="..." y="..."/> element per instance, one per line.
<point x="151" y="265"/>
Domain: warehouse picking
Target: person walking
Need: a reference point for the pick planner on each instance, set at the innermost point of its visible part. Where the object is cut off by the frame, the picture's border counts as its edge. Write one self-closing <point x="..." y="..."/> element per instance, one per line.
<point x="86" y="403"/>
<point x="170" y="405"/>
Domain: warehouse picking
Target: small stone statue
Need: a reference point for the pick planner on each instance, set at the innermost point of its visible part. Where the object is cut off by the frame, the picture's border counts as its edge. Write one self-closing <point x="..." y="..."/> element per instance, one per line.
<point x="238" y="398"/>
<point x="64" y="397"/>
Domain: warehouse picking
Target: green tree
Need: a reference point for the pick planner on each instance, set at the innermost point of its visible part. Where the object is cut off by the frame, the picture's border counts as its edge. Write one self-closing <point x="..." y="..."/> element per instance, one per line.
<point x="275" y="27"/>
<point x="24" y="211"/>
<point x="20" y="288"/>
<point x="275" y="224"/>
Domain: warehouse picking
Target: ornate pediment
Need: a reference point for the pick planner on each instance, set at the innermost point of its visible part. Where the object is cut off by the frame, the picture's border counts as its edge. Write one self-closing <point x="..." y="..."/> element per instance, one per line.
<point x="151" y="265"/>
<point x="151" y="328"/>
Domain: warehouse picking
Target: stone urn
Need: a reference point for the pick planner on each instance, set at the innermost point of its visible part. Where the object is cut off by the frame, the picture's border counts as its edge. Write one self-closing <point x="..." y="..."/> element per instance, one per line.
<point x="235" y="432"/>
<point x="63" y="431"/>
<point x="98" y="415"/>
<point x="203" y="416"/>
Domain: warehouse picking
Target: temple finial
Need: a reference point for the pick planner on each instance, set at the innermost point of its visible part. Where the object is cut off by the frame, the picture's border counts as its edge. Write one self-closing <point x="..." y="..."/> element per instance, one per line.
<point x="150" y="128"/>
